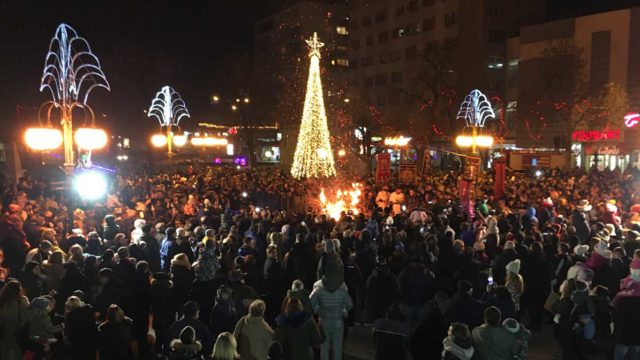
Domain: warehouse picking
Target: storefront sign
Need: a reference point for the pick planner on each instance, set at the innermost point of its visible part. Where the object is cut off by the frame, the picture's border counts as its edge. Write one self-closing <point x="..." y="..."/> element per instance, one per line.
<point x="383" y="168"/>
<point x="595" y="135"/>
<point x="608" y="150"/>
<point x="631" y="119"/>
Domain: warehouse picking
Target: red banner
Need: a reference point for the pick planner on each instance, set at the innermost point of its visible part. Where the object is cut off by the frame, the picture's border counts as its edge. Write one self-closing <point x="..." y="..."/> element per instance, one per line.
<point x="500" y="167"/>
<point x="472" y="167"/>
<point x="383" y="168"/>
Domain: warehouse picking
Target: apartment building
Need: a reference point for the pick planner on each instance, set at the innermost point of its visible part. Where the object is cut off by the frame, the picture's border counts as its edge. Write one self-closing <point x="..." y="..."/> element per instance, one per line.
<point x="542" y="76"/>
<point x="389" y="40"/>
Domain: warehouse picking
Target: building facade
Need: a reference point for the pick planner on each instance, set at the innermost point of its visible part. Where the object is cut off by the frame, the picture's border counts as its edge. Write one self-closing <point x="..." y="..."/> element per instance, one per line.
<point x="557" y="76"/>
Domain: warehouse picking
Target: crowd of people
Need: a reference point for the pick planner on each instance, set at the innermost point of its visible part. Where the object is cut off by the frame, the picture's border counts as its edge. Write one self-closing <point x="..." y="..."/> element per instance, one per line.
<point x="243" y="264"/>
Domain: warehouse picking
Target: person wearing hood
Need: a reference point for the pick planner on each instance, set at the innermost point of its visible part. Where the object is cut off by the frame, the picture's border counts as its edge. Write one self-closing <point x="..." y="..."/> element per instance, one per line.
<point x="330" y="266"/>
<point x="332" y="307"/>
<point x="381" y="291"/>
<point x="185" y="347"/>
<point x="191" y="311"/>
<point x="168" y="250"/>
<point x="522" y="335"/>
<point x="458" y="344"/>
<point x="297" y="331"/>
<point x="41" y="328"/>
<point x="253" y="334"/>
<point x="491" y="341"/>
<point x="223" y="314"/>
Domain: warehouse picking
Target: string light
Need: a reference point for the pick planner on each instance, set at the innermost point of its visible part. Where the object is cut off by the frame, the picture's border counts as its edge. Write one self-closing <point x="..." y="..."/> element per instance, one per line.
<point x="313" y="156"/>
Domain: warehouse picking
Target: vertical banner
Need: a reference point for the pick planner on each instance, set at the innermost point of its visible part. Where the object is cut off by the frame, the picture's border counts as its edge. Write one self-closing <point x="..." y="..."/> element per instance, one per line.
<point x="426" y="163"/>
<point x="383" y="168"/>
<point x="500" y="167"/>
<point x="472" y="167"/>
<point x="407" y="173"/>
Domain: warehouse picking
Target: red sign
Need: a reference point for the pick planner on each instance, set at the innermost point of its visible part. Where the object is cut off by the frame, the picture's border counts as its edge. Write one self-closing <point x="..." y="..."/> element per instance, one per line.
<point x="407" y="173"/>
<point x="383" y="170"/>
<point x="595" y="135"/>
<point x="631" y="119"/>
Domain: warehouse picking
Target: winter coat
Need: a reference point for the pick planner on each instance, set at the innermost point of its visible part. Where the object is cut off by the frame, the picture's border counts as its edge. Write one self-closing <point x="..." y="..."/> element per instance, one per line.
<point x="303" y="296"/>
<point x="182" y="279"/>
<point x="152" y="252"/>
<point x="582" y="226"/>
<point x="331" y="271"/>
<point x="494" y="343"/>
<point x="465" y="309"/>
<point x="12" y="316"/>
<point x="298" y="334"/>
<point x="254" y="336"/>
<point x="40" y="325"/>
<point x="223" y="317"/>
<point x="417" y="286"/>
<point x="626" y="317"/>
<point x="501" y="261"/>
<point x="331" y="306"/>
<point x="72" y="280"/>
<point x="454" y="349"/>
<point x="81" y="332"/>
<point x="203" y="334"/>
<point x="381" y="291"/>
<point x="168" y="250"/>
<point x="162" y="308"/>
<point x="114" y="340"/>
<point x="208" y="266"/>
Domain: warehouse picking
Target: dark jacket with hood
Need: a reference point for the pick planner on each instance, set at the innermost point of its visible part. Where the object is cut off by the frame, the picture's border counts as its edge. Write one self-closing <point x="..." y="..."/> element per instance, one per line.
<point x="298" y="334"/>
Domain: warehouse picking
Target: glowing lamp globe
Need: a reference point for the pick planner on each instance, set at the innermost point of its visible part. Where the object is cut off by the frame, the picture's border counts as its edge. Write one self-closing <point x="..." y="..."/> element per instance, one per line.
<point x="158" y="140"/>
<point x="464" y="141"/>
<point x="91" y="138"/>
<point x="90" y="185"/>
<point x="179" y="140"/>
<point x="484" y="141"/>
<point x="42" y="139"/>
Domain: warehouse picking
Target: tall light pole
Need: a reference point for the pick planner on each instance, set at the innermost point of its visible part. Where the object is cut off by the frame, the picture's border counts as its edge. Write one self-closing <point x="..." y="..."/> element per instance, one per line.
<point x="70" y="72"/>
<point x="168" y="108"/>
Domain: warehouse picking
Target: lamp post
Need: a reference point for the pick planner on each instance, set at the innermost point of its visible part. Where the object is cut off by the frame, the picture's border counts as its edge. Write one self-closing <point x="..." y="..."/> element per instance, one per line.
<point x="71" y="71"/>
<point x="475" y="110"/>
<point x="239" y="106"/>
<point x="168" y="108"/>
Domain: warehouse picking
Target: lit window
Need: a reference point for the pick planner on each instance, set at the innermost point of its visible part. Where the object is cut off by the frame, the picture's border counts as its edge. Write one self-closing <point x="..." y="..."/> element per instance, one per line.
<point x="342" y="30"/>
<point x="514" y="62"/>
<point x="342" y="62"/>
<point x="126" y="143"/>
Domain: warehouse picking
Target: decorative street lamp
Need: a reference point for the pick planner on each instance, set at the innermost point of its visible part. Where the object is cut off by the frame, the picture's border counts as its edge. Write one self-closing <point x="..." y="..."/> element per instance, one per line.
<point x="71" y="72"/>
<point x="168" y="107"/>
<point x="475" y="110"/>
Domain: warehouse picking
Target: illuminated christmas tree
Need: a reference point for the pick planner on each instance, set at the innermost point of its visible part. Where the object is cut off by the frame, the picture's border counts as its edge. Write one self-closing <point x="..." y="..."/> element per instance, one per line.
<point x="313" y="156"/>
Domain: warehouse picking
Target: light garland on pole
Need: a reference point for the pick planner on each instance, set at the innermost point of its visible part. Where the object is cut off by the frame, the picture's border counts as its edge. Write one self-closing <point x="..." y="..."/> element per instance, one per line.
<point x="313" y="156"/>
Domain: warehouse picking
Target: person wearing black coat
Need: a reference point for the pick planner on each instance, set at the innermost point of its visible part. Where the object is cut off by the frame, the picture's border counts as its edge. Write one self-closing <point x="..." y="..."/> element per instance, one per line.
<point x="71" y="281"/>
<point x="463" y="308"/>
<point x="223" y="315"/>
<point x="382" y="290"/>
<point x="110" y="229"/>
<point x="300" y="264"/>
<point x="626" y="317"/>
<point x="508" y="254"/>
<point x="140" y="310"/>
<point x="182" y="277"/>
<point x="113" y="292"/>
<point x="80" y="330"/>
<point x="115" y="336"/>
<point x="536" y="274"/>
<point x="275" y="285"/>
<point x="162" y="307"/>
<point x="151" y="249"/>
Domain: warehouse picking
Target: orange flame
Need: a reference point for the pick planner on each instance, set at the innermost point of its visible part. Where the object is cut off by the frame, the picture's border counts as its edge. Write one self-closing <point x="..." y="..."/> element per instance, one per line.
<point x="344" y="200"/>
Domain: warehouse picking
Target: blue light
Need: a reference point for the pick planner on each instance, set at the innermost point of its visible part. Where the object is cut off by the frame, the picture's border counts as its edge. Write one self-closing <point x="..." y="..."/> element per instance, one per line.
<point x="475" y="109"/>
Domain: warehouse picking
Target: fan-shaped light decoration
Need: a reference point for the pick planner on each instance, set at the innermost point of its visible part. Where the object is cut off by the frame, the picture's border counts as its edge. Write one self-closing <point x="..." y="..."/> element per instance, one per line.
<point x="313" y="156"/>
<point x="71" y="70"/>
<point x="476" y="109"/>
<point x="168" y="107"/>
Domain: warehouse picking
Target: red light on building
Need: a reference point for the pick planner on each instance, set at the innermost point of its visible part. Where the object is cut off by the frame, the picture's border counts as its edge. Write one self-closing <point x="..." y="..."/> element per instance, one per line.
<point x="233" y="131"/>
<point x="595" y="135"/>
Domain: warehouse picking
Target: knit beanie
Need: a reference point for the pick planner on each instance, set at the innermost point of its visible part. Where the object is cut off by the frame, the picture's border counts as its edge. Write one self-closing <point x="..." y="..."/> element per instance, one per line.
<point x="513" y="266"/>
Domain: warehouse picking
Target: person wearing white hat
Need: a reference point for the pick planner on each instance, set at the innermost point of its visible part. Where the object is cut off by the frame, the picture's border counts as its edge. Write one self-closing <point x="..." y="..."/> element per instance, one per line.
<point x="514" y="282"/>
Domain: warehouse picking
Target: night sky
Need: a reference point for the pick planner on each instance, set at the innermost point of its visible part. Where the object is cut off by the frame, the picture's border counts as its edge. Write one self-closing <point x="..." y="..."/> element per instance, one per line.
<point x="141" y="46"/>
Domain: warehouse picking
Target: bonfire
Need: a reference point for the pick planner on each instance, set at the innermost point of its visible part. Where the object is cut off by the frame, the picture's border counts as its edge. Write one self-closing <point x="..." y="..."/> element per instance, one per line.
<point x="341" y="200"/>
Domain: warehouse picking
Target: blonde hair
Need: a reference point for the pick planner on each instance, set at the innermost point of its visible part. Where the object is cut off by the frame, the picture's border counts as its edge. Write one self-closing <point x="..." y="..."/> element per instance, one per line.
<point x="225" y="347"/>
<point x="72" y="303"/>
<point x="257" y="308"/>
